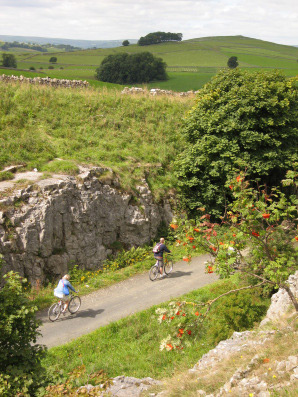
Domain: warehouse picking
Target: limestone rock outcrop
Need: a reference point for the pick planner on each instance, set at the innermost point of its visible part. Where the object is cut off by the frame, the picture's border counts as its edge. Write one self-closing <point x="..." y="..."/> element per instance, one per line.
<point x="74" y="220"/>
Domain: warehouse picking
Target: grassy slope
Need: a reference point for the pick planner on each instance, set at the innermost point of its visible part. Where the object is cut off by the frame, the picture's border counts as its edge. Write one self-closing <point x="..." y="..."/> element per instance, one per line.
<point x="131" y="134"/>
<point x="199" y="59"/>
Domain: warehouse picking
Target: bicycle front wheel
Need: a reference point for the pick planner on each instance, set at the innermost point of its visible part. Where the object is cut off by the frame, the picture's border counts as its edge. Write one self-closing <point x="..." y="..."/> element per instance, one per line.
<point x="153" y="273"/>
<point x="74" y="304"/>
<point x="168" y="266"/>
<point x="54" y="312"/>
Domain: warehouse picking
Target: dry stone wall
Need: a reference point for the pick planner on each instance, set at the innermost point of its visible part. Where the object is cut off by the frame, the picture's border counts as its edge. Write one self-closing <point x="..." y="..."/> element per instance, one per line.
<point x="45" y="227"/>
<point x="46" y="81"/>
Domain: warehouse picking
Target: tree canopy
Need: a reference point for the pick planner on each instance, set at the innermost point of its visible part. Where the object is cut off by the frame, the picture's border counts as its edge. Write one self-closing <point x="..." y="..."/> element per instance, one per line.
<point x="53" y="59"/>
<point x="159" y="37"/>
<point x="232" y="62"/>
<point x="241" y="120"/>
<point x="125" y="43"/>
<point x="131" y="68"/>
<point x="9" y="61"/>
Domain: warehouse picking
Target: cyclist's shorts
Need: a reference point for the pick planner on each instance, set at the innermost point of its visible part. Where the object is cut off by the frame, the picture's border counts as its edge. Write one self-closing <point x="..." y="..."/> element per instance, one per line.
<point x="62" y="296"/>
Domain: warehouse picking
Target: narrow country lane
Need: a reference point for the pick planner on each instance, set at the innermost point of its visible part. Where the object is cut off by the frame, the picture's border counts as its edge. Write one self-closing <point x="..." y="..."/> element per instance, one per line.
<point x="122" y="299"/>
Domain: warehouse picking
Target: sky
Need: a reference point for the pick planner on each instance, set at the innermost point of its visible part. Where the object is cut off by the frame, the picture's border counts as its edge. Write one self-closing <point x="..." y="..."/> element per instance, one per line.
<point x="270" y="20"/>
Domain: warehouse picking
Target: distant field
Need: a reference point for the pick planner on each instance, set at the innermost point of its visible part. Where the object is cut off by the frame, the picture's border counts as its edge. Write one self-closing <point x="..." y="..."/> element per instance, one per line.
<point x="191" y="63"/>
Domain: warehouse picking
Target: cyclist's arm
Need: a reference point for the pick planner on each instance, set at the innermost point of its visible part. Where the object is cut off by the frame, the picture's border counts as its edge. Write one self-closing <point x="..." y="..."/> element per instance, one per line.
<point x="70" y="286"/>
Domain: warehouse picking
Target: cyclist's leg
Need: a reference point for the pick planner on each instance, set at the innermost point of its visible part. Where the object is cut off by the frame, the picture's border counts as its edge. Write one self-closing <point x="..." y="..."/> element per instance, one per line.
<point x="160" y="265"/>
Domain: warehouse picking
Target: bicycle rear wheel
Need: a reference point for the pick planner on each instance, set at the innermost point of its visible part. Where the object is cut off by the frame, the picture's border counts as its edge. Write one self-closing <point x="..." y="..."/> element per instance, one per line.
<point x="54" y="312"/>
<point x="153" y="273"/>
<point x="74" y="304"/>
<point x="168" y="266"/>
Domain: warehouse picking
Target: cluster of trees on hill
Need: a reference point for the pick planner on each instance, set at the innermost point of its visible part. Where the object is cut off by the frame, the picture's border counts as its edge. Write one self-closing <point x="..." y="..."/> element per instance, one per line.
<point x="16" y="44"/>
<point x="9" y="61"/>
<point x="159" y="37"/>
<point x="36" y="47"/>
<point x="131" y="68"/>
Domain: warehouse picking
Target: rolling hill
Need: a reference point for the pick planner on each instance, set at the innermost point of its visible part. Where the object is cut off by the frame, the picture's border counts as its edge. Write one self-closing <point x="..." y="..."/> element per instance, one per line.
<point x="191" y="63"/>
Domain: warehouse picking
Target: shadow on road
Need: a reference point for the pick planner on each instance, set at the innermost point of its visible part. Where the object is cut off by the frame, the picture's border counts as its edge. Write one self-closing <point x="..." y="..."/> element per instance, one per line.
<point x="178" y="273"/>
<point x="81" y="314"/>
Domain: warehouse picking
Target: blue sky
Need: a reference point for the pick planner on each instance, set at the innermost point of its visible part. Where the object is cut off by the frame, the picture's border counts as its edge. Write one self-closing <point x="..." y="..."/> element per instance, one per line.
<point x="273" y="20"/>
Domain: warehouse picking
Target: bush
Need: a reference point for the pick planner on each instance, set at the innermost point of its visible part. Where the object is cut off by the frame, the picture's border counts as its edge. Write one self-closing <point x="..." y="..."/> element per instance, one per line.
<point x="32" y="68"/>
<point x="236" y="312"/>
<point x="131" y="68"/>
<point x="51" y="67"/>
<point x="240" y="120"/>
<point x="20" y="366"/>
<point x="53" y="59"/>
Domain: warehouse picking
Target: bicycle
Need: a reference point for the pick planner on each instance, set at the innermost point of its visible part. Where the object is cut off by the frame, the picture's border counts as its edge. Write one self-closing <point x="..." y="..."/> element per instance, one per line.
<point x="167" y="268"/>
<point x="57" y="308"/>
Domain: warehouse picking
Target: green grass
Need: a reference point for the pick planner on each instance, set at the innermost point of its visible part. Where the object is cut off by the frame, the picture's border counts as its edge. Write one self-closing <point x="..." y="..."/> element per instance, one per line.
<point x="131" y="134"/>
<point x="131" y="346"/>
<point x="186" y="56"/>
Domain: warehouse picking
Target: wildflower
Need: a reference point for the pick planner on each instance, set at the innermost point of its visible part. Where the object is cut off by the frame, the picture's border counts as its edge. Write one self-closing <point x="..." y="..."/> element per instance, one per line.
<point x="210" y="269"/>
<point x="234" y="235"/>
<point x="266" y="360"/>
<point x="185" y="259"/>
<point x="164" y="317"/>
<point x="231" y="187"/>
<point x="197" y="313"/>
<point x="189" y="332"/>
<point x="178" y="241"/>
<point x="173" y="226"/>
<point x="184" y="244"/>
<point x="274" y="376"/>
<point x="181" y="330"/>
<point x="221" y="243"/>
<point x="238" y="179"/>
<point x="296" y="238"/>
<point x="213" y="248"/>
<point x="256" y="234"/>
<point x="172" y="318"/>
<point x="191" y="239"/>
<point x="265" y="216"/>
<point x="197" y="230"/>
<point x="178" y="313"/>
<point x="169" y="347"/>
<point x="194" y="247"/>
<point x="183" y="314"/>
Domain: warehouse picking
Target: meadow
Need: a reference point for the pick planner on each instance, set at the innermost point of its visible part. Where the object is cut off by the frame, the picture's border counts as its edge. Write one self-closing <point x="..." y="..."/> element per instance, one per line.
<point x="134" y="135"/>
<point x="190" y="63"/>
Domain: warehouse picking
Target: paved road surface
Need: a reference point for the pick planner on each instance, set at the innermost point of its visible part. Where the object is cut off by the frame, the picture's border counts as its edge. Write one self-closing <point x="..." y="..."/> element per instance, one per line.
<point x="122" y="299"/>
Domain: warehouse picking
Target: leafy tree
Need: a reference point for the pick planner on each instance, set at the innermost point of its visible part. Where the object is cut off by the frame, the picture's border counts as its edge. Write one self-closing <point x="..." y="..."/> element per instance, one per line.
<point x="232" y="62"/>
<point x="240" y="120"/>
<point x="263" y="223"/>
<point x="131" y="68"/>
<point x="53" y="59"/>
<point x="125" y="43"/>
<point x="159" y="37"/>
<point x="20" y="368"/>
<point x="9" y="61"/>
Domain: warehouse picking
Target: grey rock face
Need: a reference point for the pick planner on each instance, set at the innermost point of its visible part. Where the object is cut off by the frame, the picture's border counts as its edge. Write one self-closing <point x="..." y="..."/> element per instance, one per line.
<point x="280" y="302"/>
<point x="72" y="220"/>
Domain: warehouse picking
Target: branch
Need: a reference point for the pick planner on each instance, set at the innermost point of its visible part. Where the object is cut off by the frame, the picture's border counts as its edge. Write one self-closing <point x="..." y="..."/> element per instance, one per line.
<point x="233" y="291"/>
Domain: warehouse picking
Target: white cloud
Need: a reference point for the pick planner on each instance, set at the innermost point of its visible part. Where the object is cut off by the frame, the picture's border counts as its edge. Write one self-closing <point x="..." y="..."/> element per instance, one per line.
<point x="119" y="19"/>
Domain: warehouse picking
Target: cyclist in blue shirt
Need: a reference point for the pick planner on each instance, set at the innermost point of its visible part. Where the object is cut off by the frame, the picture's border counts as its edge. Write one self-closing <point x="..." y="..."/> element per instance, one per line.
<point x="62" y="290"/>
<point x="159" y="255"/>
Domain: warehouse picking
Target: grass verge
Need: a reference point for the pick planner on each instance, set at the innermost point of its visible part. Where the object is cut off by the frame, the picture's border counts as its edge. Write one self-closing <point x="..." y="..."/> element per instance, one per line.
<point x="131" y="346"/>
